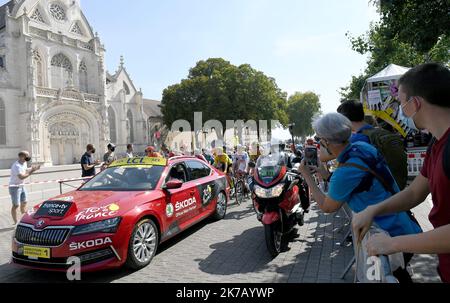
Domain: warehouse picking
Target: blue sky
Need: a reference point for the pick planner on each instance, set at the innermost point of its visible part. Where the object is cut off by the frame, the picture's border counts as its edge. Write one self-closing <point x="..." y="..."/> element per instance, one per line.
<point x="300" y="43"/>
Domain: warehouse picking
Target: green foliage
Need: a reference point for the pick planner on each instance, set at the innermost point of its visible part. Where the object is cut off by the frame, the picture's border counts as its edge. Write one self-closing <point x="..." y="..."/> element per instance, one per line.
<point x="302" y="107"/>
<point x="419" y="23"/>
<point x="409" y="33"/>
<point x="222" y="91"/>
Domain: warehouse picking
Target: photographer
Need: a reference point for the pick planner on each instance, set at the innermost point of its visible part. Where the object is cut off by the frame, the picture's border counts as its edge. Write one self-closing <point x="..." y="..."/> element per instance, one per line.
<point x="361" y="179"/>
<point x="20" y="172"/>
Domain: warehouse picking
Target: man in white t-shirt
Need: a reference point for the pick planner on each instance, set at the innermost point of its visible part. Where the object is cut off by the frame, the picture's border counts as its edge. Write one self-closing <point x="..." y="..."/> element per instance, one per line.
<point x="19" y="172"/>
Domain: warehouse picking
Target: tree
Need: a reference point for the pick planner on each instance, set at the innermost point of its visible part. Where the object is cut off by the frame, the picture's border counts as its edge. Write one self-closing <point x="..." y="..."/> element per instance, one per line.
<point x="409" y="33"/>
<point x="302" y="107"/>
<point x="222" y="91"/>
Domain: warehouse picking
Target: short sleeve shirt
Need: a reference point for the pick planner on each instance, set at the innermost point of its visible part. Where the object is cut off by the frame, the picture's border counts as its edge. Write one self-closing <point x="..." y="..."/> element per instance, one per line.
<point x="87" y="159"/>
<point x="17" y="169"/>
<point x="345" y="180"/>
<point x="439" y="185"/>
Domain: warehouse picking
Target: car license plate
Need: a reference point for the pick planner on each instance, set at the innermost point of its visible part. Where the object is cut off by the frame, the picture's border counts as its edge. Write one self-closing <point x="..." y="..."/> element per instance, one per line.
<point x="36" y="252"/>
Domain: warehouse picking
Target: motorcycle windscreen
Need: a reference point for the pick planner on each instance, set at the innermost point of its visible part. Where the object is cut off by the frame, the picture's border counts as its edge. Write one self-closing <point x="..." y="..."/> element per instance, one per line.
<point x="269" y="167"/>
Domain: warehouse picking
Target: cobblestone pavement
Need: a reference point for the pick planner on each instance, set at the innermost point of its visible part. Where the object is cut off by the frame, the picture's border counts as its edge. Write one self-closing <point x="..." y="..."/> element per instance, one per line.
<point x="233" y="250"/>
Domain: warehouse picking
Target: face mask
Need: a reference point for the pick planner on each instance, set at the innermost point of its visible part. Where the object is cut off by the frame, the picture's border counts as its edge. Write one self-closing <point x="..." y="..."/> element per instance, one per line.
<point x="93" y="151"/>
<point x="325" y="154"/>
<point x="408" y="121"/>
<point x="113" y="149"/>
<point x="28" y="159"/>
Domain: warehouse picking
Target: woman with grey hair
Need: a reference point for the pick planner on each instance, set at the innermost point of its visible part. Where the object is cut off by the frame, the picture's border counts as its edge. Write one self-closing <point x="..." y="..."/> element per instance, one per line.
<point x="361" y="179"/>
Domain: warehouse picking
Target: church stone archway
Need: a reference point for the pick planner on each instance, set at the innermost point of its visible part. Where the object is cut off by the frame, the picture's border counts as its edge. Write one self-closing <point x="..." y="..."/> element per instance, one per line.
<point x="67" y="132"/>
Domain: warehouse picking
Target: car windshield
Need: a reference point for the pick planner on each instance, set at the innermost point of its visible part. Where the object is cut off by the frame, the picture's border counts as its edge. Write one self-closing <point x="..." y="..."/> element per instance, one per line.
<point x="123" y="178"/>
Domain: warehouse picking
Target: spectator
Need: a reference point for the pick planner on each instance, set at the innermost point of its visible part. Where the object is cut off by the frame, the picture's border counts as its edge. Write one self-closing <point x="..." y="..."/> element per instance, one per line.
<point x="390" y="145"/>
<point x="109" y="157"/>
<point x="165" y="151"/>
<point x="87" y="162"/>
<point x="424" y="93"/>
<point x="129" y="152"/>
<point x="150" y="152"/>
<point x="209" y="158"/>
<point x="362" y="179"/>
<point x="19" y="172"/>
<point x="297" y="157"/>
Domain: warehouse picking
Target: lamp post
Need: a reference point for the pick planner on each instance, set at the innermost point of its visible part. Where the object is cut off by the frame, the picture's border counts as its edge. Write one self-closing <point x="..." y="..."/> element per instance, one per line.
<point x="291" y="130"/>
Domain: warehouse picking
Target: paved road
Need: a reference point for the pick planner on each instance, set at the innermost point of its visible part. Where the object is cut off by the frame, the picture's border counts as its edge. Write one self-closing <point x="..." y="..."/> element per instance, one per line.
<point x="233" y="250"/>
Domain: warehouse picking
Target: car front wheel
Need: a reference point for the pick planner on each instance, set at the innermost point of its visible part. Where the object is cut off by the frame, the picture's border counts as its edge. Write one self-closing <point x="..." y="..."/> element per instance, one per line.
<point x="143" y="244"/>
<point x="221" y="207"/>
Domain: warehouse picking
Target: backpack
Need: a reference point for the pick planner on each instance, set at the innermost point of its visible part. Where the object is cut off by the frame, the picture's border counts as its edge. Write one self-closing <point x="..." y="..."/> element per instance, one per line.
<point x="392" y="148"/>
<point x="377" y="168"/>
<point x="446" y="155"/>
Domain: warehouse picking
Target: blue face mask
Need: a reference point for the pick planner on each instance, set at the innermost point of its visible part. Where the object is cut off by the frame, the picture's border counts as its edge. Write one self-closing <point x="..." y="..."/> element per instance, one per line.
<point x="408" y="121"/>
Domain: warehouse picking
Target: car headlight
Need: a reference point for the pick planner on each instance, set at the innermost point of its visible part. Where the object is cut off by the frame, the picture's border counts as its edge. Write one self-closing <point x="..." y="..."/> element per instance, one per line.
<point x="107" y="226"/>
<point x="273" y="192"/>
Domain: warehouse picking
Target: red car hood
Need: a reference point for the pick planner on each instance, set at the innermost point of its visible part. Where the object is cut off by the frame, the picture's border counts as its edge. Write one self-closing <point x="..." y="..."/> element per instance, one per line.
<point x="90" y="206"/>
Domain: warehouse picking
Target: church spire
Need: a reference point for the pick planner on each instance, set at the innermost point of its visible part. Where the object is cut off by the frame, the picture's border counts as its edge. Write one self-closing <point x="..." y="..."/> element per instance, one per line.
<point x="122" y="62"/>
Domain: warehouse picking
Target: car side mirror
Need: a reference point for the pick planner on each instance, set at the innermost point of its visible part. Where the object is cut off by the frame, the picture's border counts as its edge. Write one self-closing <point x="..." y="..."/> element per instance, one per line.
<point x="173" y="184"/>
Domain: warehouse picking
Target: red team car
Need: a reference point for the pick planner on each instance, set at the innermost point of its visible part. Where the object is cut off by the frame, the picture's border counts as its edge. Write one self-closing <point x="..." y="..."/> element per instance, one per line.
<point x="120" y="216"/>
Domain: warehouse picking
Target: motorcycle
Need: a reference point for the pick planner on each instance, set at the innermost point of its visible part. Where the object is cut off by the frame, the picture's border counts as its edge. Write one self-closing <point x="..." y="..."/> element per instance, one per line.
<point x="278" y="195"/>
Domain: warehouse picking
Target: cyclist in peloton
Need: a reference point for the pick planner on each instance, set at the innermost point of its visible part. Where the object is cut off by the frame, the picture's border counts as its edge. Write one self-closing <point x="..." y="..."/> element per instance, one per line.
<point x="241" y="160"/>
<point x="224" y="164"/>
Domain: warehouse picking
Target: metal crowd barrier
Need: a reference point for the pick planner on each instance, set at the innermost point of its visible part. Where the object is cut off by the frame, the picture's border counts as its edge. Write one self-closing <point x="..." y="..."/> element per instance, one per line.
<point x="360" y="257"/>
<point x="379" y="269"/>
<point x="66" y="183"/>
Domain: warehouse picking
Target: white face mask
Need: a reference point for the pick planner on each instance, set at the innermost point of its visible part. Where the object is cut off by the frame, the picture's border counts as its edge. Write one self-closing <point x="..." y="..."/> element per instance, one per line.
<point x="408" y="121"/>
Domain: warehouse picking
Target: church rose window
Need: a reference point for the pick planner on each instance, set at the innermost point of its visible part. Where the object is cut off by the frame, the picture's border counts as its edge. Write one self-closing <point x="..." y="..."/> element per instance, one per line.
<point x="57" y="12"/>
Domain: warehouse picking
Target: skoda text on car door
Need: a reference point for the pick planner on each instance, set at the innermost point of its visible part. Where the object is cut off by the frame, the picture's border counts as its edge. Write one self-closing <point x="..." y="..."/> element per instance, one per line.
<point x="121" y="215"/>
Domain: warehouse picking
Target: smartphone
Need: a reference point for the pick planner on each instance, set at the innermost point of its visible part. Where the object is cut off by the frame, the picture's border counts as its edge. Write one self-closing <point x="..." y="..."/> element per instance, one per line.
<point x="311" y="157"/>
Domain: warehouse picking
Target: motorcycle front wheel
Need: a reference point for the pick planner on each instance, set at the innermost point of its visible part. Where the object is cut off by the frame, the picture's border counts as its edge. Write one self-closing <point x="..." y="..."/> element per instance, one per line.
<point x="274" y="238"/>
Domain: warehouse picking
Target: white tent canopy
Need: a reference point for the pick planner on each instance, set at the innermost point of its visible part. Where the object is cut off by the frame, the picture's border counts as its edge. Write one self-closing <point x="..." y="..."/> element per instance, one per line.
<point x="391" y="72"/>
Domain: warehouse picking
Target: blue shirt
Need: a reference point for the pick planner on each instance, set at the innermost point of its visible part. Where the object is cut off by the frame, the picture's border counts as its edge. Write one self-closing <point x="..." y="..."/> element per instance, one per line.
<point x="359" y="136"/>
<point x="346" y="179"/>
